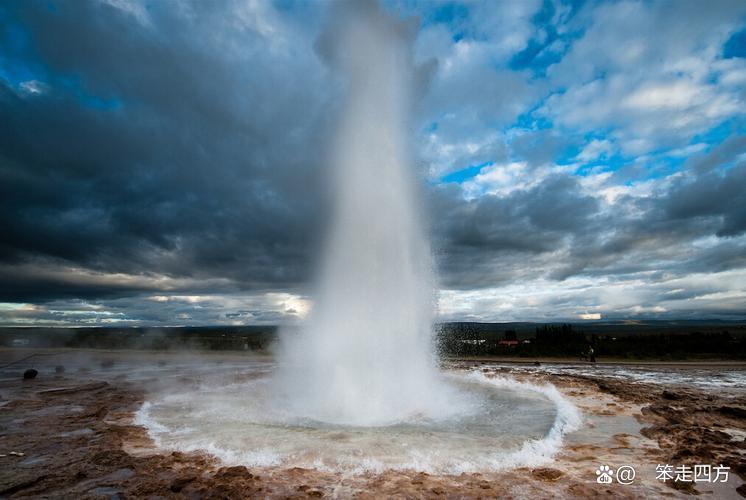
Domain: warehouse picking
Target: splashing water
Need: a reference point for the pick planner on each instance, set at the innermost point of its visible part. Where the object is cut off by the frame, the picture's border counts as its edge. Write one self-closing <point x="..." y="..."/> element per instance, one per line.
<point x="359" y="389"/>
<point x="365" y="356"/>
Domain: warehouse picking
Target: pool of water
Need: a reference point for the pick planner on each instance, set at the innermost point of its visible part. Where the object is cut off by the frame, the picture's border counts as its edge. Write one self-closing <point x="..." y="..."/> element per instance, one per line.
<point x="241" y="420"/>
<point x="702" y="378"/>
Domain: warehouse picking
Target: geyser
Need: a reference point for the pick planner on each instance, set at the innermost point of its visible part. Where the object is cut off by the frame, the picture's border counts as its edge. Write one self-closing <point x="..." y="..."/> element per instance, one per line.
<point x="359" y="389"/>
<point x="365" y="355"/>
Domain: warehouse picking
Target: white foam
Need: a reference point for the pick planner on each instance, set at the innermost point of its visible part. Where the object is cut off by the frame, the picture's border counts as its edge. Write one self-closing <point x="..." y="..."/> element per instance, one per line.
<point x="540" y="451"/>
<point x="144" y="419"/>
<point x="158" y="432"/>
<point x="364" y="454"/>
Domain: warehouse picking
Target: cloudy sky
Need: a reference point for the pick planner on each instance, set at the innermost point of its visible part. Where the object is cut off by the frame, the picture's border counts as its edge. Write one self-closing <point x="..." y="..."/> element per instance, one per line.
<point x="162" y="163"/>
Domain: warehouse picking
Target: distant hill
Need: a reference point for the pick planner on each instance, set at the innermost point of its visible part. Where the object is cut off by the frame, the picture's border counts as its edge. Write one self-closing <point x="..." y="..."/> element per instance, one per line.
<point x="675" y="339"/>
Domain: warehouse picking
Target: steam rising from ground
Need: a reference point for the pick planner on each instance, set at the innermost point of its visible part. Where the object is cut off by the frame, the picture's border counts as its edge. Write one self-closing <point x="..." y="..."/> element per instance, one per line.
<point x="365" y="356"/>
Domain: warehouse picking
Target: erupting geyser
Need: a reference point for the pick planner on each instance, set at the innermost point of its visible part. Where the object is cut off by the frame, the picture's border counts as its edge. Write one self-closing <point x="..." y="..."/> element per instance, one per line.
<point x="359" y="388"/>
<point x="365" y="356"/>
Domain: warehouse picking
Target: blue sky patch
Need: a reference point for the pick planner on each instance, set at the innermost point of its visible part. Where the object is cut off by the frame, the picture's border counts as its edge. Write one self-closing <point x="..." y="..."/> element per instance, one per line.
<point x="465" y="173"/>
<point x="736" y="45"/>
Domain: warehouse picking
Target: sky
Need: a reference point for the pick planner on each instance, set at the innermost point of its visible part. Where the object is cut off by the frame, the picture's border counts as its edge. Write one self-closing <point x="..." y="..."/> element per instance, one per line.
<point x="162" y="163"/>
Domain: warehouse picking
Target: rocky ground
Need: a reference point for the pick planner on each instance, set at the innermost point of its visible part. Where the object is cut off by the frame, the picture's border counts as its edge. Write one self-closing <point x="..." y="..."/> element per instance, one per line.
<point x="71" y="435"/>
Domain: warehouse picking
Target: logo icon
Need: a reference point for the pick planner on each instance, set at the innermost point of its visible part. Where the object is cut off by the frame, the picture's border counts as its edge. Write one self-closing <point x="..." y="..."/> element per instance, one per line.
<point x="604" y="473"/>
<point x="625" y="474"/>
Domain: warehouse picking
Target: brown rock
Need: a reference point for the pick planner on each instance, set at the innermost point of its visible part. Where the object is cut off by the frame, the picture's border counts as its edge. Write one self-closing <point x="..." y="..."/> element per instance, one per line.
<point x="236" y="472"/>
<point x="546" y="474"/>
<point x="670" y="395"/>
<point x="179" y="483"/>
<point x="732" y="411"/>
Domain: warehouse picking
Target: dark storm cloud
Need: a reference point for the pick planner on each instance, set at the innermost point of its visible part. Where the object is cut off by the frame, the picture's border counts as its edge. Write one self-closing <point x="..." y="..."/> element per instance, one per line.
<point x="173" y="145"/>
<point x="558" y="204"/>
<point x="712" y="194"/>
<point x="493" y="239"/>
<point x="539" y="147"/>
<point x="557" y="230"/>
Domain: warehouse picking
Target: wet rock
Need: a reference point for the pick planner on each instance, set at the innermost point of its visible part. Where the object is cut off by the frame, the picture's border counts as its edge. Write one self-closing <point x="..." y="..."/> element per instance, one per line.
<point x="93" y="386"/>
<point x="179" y="483"/>
<point x="239" y="471"/>
<point x="659" y="409"/>
<point x="605" y="386"/>
<point x="29" y="462"/>
<point x="111" y="458"/>
<point x="685" y="486"/>
<point x="76" y="433"/>
<point x="578" y="490"/>
<point x="732" y="411"/>
<point x="20" y="484"/>
<point x="107" y="492"/>
<point x="298" y="471"/>
<point x="30" y="374"/>
<point x="670" y="395"/>
<point x="546" y="474"/>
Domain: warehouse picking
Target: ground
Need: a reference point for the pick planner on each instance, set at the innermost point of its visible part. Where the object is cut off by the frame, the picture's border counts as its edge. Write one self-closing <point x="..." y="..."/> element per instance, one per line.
<point x="71" y="434"/>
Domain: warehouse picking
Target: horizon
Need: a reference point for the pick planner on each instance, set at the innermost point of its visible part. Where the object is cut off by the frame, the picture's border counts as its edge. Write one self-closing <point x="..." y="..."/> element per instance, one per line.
<point x="282" y="326"/>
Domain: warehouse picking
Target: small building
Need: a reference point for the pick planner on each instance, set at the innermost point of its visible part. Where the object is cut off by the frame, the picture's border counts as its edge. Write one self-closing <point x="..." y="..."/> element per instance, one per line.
<point x="510" y="339"/>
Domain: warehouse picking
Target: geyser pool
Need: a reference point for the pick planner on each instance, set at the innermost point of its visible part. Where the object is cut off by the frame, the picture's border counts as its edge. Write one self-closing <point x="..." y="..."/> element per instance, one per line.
<point x="234" y="414"/>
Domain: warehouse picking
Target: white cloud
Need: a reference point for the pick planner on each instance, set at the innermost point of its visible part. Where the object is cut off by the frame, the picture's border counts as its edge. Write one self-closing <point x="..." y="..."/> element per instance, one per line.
<point x="654" y="81"/>
<point x="443" y="156"/>
<point x="135" y="8"/>
<point x="595" y="149"/>
<point x="731" y="72"/>
<point x="34" y="87"/>
<point x="595" y="298"/>
<point x="688" y="150"/>
<point x="473" y="94"/>
<point x="173" y="310"/>
<point x="643" y="115"/>
<point x="500" y="179"/>
<point x="673" y="95"/>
